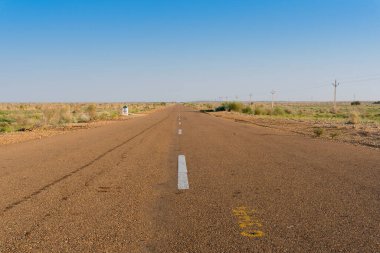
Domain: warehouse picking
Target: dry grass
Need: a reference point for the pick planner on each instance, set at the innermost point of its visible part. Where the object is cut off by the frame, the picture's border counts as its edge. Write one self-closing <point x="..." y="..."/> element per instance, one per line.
<point x="354" y="117"/>
<point x="358" y="123"/>
<point x="30" y="116"/>
<point x="364" y="113"/>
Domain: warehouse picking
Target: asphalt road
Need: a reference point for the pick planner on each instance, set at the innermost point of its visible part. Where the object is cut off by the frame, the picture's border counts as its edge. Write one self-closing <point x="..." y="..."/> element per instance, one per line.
<point x="251" y="189"/>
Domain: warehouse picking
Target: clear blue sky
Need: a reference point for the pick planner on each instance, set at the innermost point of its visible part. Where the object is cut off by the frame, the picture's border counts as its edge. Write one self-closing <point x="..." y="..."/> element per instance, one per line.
<point x="139" y="50"/>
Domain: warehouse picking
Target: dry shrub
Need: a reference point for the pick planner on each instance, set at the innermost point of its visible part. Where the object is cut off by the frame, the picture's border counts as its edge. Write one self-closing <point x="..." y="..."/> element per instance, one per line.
<point x="22" y="120"/>
<point x="209" y="106"/>
<point x="333" y="135"/>
<point x="354" y="118"/>
<point x="83" y="118"/>
<point x="247" y="110"/>
<point x="104" y="115"/>
<point x="50" y="116"/>
<point x="278" y="111"/>
<point x="259" y="110"/>
<point x="65" y="115"/>
<point x="24" y="116"/>
<point x="333" y="110"/>
<point x="25" y="122"/>
<point x="318" y="131"/>
<point x="235" y="106"/>
<point x="91" y="110"/>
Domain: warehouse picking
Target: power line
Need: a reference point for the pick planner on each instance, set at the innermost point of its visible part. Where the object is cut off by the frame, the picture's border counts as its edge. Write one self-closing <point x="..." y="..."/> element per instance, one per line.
<point x="347" y="82"/>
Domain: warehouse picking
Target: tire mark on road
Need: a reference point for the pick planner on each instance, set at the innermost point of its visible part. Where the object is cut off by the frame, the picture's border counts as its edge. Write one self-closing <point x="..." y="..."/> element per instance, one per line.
<point x="104" y="170"/>
<point x="52" y="212"/>
<point x="35" y="193"/>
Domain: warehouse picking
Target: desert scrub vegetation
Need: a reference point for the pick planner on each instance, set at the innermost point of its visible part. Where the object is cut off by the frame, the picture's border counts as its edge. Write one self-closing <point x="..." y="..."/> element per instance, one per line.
<point x="358" y="123"/>
<point x="354" y="118"/>
<point x="362" y="112"/>
<point x="355" y="103"/>
<point x="231" y="107"/>
<point x="26" y="117"/>
<point x="318" y="131"/>
<point x="247" y="110"/>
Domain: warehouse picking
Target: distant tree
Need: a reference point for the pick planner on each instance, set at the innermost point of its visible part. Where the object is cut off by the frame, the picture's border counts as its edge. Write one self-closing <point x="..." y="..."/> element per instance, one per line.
<point x="355" y="103"/>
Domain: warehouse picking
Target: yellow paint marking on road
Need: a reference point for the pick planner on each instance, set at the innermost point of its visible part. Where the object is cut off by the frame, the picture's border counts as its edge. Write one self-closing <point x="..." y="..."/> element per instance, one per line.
<point x="249" y="224"/>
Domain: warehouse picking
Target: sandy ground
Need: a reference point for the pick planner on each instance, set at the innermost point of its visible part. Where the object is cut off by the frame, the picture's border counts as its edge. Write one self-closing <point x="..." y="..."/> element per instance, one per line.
<point x="362" y="134"/>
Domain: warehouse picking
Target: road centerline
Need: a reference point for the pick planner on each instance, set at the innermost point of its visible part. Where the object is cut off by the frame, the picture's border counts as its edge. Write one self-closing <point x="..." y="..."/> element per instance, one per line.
<point x="183" y="182"/>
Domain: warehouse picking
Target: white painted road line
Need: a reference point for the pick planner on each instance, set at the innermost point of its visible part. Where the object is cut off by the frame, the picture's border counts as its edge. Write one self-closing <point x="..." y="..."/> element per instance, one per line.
<point x="179" y="123"/>
<point x="183" y="182"/>
<point x="179" y="131"/>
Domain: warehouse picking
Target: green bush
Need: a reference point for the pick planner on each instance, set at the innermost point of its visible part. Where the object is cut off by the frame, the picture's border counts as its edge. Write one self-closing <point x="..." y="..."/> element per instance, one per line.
<point x="230" y="106"/>
<point x="220" y="108"/>
<point x="5" y="127"/>
<point x="114" y="115"/>
<point x="235" y="106"/>
<point x="259" y="110"/>
<point x="247" y="110"/>
<point x="5" y="120"/>
<point x="278" y="111"/>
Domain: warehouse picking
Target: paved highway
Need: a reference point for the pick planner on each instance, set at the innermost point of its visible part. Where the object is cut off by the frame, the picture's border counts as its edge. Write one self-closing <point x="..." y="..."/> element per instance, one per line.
<point x="179" y="180"/>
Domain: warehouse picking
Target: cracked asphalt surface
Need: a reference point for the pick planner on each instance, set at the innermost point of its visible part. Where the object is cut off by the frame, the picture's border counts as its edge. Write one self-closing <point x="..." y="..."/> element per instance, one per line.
<point x="114" y="189"/>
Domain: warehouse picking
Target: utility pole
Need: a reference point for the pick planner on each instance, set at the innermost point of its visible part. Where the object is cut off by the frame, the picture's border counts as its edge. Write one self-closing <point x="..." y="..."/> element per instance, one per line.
<point x="250" y="98"/>
<point x="273" y="92"/>
<point x="335" y="84"/>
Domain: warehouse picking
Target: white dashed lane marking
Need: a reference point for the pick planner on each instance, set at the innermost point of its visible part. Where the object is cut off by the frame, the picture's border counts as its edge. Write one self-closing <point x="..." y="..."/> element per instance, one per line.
<point x="183" y="182"/>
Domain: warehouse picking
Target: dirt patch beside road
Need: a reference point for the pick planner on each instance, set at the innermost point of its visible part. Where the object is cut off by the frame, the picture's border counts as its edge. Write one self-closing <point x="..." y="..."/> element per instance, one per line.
<point x="363" y="134"/>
